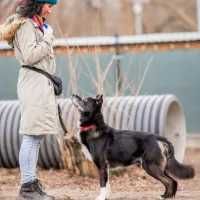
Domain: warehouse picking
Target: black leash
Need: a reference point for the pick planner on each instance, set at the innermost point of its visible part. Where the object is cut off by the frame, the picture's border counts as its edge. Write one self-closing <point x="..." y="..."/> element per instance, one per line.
<point x="61" y="120"/>
<point x="50" y="77"/>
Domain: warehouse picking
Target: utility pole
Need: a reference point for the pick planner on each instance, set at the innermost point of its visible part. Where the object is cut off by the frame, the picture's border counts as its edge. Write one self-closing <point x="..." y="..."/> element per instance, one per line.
<point x="137" y="9"/>
<point x="198" y="15"/>
<point x="118" y="72"/>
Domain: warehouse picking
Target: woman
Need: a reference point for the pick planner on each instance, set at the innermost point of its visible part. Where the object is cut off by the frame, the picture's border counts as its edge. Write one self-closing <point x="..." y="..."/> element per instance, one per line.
<point x="33" y="45"/>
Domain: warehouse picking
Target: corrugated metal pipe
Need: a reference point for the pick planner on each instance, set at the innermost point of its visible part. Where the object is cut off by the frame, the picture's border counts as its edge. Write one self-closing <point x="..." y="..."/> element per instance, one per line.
<point x="161" y="115"/>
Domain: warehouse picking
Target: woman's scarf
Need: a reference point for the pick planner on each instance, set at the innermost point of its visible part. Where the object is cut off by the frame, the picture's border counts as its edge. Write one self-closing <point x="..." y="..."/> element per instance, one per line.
<point x="39" y="21"/>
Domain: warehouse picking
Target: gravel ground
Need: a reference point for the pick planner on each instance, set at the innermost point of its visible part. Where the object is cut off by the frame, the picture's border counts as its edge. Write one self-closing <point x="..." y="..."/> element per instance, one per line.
<point x="129" y="184"/>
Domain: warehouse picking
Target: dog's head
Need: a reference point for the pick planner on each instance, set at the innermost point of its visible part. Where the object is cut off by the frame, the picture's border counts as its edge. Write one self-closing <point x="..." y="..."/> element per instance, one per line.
<point x="88" y="107"/>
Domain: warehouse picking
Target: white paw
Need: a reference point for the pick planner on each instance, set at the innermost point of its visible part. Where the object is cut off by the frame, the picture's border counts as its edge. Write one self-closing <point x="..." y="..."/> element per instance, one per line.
<point x="100" y="197"/>
<point x="103" y="194"/>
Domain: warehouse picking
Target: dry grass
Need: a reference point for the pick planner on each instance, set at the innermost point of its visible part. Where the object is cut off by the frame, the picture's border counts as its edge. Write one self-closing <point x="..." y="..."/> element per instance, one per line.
<point x="129" y="184"/>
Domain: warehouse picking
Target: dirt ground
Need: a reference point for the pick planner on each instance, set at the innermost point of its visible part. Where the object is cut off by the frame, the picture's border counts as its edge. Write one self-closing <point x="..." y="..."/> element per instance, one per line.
<point x="129" y="184"/>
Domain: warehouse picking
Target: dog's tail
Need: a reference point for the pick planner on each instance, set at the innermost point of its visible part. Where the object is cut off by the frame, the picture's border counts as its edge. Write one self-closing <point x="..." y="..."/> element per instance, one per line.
<point x="175" y="168"/>
<point x="179" y="170"/>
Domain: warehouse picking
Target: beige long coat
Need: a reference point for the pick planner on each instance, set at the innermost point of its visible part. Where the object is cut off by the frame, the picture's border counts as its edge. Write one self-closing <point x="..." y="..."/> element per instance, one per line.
<point x="39" y="115"/>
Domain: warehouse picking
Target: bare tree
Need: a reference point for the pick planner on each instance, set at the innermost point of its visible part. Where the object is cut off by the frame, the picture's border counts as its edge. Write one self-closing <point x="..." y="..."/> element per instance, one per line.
<point x="110" y="17"/>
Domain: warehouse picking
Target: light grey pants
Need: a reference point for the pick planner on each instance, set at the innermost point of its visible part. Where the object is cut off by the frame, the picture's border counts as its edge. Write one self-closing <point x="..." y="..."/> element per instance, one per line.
<point x="28" y="157"/>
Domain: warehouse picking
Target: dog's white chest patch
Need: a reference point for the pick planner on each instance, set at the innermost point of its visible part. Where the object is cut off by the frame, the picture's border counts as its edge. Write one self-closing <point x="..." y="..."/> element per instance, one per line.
<point x="94" y="134"/>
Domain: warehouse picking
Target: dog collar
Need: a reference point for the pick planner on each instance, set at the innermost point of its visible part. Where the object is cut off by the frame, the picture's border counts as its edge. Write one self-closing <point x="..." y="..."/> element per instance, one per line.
<point x="88" y="128"/>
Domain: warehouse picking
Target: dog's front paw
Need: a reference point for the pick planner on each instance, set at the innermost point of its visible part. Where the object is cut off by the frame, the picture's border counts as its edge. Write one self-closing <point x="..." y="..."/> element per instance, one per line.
<point x="101" y="197"/>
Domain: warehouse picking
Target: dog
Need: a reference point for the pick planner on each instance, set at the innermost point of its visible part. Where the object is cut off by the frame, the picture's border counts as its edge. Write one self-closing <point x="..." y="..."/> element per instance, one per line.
<point x="110" y="148"/>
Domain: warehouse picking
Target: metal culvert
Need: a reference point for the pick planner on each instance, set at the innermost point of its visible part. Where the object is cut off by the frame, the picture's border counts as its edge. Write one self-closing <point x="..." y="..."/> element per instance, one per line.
<point x="157" y="114"/>
<point x="10" y="140"/>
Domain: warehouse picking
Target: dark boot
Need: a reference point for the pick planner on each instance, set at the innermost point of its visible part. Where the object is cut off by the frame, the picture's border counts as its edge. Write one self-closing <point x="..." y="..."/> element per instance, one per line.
<point x="33" y="191"/>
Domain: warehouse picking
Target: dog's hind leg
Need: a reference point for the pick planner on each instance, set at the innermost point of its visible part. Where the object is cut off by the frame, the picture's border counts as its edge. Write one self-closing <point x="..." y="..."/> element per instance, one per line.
<point x="104" y="183"/>
<point x="155" y="171"/>
<point x="175" y="183"/>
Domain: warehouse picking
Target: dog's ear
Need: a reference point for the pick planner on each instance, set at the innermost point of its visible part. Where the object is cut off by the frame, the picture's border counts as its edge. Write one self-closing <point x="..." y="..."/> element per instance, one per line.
<point x="77" y="101"/>
<point x="75" y="97"/>
<point x="99" y="99"/>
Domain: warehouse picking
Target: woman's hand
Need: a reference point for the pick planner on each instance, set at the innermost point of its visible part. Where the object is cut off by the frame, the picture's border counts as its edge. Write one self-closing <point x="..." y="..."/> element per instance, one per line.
<point x="47" y="29"/>
<point x="48" y="33"/>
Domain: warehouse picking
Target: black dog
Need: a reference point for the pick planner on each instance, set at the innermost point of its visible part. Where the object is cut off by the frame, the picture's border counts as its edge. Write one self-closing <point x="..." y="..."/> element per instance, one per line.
<point x="110" y="147"/>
